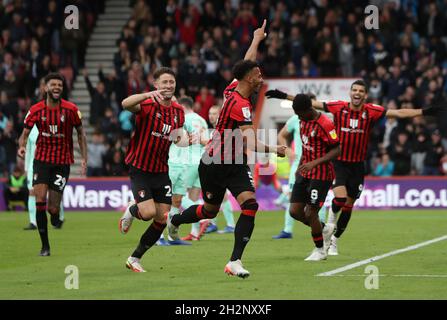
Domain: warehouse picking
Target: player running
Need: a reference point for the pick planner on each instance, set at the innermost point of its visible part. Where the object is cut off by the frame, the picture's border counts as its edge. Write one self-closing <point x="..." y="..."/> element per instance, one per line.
<point x="315" y="173"/>
<point x="55" y="119"/>
<point x="159" y="121"/>
<point x="223" y="165"/>
<point x="353" y="121"/>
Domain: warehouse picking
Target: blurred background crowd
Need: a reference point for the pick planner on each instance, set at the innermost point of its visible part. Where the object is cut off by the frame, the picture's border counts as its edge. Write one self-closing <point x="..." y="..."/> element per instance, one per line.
<point x="404" y="63"/>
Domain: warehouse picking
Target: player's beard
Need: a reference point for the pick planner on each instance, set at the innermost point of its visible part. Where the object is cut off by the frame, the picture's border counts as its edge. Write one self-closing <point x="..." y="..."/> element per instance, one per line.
<point x="52" y="98"/>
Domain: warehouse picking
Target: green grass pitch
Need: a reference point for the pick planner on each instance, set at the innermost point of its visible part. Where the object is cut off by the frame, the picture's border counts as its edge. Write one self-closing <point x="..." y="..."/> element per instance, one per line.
<point x="91" y="241"/>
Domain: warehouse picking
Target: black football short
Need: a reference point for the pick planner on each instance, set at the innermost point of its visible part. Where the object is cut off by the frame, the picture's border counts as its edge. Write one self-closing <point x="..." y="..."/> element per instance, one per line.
<point x="351" y="175"/>
<point x="55" y="176"/>
<point x="148" y="185"/>
<point x="308" y="191"/>
<point x="215" y="179"/>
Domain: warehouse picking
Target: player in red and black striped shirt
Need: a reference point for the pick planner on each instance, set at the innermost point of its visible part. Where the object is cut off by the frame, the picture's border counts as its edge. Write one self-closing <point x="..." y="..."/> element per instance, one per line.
<point x="315" y="173"/>
<point x="353" y="121"/>
<point x="159" y="121"/>
<point x="55" y="119"/>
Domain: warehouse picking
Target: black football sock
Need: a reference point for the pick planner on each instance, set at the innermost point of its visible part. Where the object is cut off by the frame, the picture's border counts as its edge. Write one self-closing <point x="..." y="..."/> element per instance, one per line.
<point x="244" y="228"/>
<point x="342" y="222"/>
<point x="148" y="239"/>
<point x="193" y="214"/>
<point x="42" y="223"/>
<point x="135" y="212"/>
<point x="318" y="239"/>
<point x="337" y="204"/>
<point x="55" y="219"/>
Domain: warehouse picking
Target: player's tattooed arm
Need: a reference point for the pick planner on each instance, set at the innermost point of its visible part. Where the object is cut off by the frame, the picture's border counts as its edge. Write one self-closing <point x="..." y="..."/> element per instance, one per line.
<point x="132" y="103"/>
<point x="22" y="142"/>
<point x="258" y="35"/>
<point x="82" y="140"/>
<point x="332" y="154"/>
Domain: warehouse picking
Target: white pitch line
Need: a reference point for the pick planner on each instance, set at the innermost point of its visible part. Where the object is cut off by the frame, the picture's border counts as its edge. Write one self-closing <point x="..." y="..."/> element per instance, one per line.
<point x="396" y="275"/>
<point x="376" y="258"/>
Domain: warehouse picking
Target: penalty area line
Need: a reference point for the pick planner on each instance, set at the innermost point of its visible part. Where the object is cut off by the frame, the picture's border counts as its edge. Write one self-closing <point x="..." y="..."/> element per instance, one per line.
<point x="383" y="256"/>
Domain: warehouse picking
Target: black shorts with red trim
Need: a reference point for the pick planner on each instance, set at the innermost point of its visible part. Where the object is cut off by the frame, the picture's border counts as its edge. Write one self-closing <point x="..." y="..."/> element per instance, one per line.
<point x="215" y="179"/>
<point x="148" y="185"/>
<point x="309" y="191"/>
<point x="55" y="176"/>
<point x="350" y="175"/>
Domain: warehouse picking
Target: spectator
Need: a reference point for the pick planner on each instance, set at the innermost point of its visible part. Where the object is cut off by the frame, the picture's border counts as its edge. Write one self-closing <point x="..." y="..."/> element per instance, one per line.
<point x="206" y="101"/>
<point x="96" y="151"/>
<point x="116" y="167"/>
<point x="385" y="168"/>
<point x="99" y="99"/>
<point x="15" y="189"/>
<point x="307" y="69"/>
<point x="346" y="57"/>
<point x="401" y="154"/>
<point x="8" y="139"/>
<point x="434" y="154"/>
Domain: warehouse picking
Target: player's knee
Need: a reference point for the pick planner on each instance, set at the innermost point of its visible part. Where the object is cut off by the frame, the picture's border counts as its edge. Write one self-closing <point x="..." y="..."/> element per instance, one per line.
<point x="146" y="213"/>
<point x="250" y="207"/>
<point x="209" y="212"/>
<point x="53" y="210"/>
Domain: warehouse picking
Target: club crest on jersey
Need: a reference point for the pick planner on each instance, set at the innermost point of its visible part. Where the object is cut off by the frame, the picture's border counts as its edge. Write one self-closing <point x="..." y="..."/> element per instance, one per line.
<point x="158" y="115"/>
<point x="35" y="177"/>
<point x="44" y="118"/>
<point x="62" y="118"/>
<point x="141" y="193"/>
<point x="313" y="133"/>
<point x="209" y="195"/>
<point x="364" y="115"/>
<point x="175" y="119"/>
<point x="333" y="134"/>
<point x="247" y="114"/>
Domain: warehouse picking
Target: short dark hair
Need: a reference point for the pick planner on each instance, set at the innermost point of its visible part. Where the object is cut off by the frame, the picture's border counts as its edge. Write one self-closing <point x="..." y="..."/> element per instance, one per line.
<point x="312" y="95"/>
<point x="242" y="68"/>
<point x="301" y="102"/>
<point x="163" y="70"/>
<point x="52" y="76"/>
<point x="186" y="102"/>
<point x="360" y="83"/>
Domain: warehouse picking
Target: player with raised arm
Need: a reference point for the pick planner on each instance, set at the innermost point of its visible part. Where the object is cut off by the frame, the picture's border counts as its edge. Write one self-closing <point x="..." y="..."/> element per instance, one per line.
<point x="159" y="121"/>
<point x="55" y="119"/>
<point x="315" y="172"/>
<point x="223" y="165"/>
<point x="353" y="121"/>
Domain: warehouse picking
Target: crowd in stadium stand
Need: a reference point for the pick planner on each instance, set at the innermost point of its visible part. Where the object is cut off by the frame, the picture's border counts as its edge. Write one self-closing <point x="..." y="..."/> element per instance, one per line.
<point x="404" y="63"/>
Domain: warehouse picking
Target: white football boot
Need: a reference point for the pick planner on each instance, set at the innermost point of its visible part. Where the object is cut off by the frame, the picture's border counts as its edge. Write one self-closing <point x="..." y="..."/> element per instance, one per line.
<point x="333" y="247"/>
<point x="133" y="264"/>
<point x="235" y="268"/>
<point x="317" y="254"/>
<point x="332" y="217"/>
<point x="328" y="231"/>
<point x="126" y="219"/>
<point x="172" y="230"/>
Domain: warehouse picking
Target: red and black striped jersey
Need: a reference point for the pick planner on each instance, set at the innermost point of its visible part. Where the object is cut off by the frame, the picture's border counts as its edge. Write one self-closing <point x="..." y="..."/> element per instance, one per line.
<point x="227" y="140"/>
<point x="354" y="128"/>
<point x="149" y="145"/>
<point x="317" y="137"/>
<point x="55" y="124"/>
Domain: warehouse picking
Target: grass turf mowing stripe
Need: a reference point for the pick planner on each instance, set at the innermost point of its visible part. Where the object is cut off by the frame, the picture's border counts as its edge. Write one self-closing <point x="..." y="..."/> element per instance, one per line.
<point x="376" y="258"/>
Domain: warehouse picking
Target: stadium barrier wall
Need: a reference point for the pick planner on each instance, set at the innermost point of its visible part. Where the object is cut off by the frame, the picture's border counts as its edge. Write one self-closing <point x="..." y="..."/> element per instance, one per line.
<point x="96" y="194"/>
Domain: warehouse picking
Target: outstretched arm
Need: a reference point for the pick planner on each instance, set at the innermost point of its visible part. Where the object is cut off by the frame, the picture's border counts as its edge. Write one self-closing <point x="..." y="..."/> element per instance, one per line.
<point x="132" y="103"/>
<point x="278" y="94"/>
